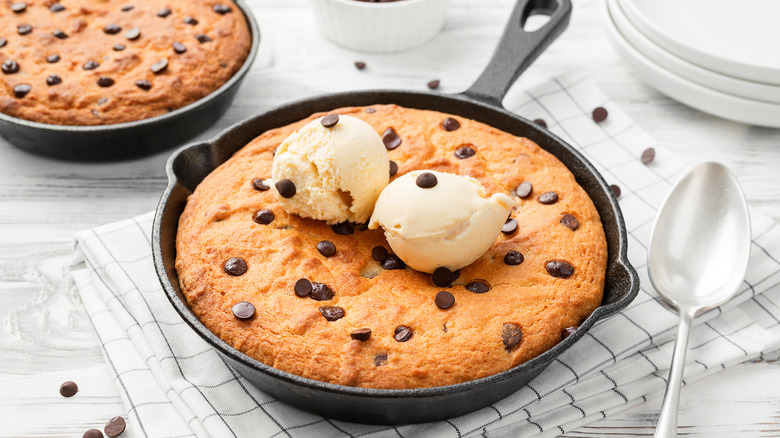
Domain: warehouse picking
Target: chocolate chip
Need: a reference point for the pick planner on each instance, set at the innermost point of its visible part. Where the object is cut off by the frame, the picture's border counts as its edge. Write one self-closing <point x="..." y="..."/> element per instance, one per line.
<point x="222" y="9"/>
<point x="570" y="221"/>
<point x="559" y="268"/>
<point x="102" y="101"/>
<point x="133" y="33"/>
<point x="369" y="110"/>
<point x="513" y="258"/>
<point x="143" y="84"/>
<point x="361" y="334"/>
<point x="57" y="7"/>
<point x="360" y="65"/>
<point x="159" y="66"/>
<point x="115" y="427"/>
<point x="190" y="20"/>
<point x="23" y="29"/>
<point x="403" y="333"/>
<point x="90" y="65"/>
<point x="444" y="300"/>
<point x="616" y="190"/>
<point x="10" y="66"/>
<point x="127" y="8"/>
<point x="302" y="287"/>
<point x="244" y="310"/>
<point x="379" y="253"/>
<point x="393" y="168"/>
<point x="179" y="47"/>
<point x="478" y="286"/>
<point x="442" y="277"/>
<point x="330" y="120"/>
<point x="648" y="155"/>
<point x="393" y="262"/>
<point x="53" y="80"/>
<point x="332" y="313"/>
<point x="326" y="248"/>
<point x="380" y="359"/>
<point x="19" y="7"/>
<point x="568" y="331"/>
<point x="259" y="185"/>
<point x="3" y="42"/>
<point x="92" y="433"/>
<point x="69" y="389"/>
<point x="286" y="188"/>
<point x="511" y="335"/>
<point x="51" y="59"/>
<point x="450" y="124"/>
<point x="164" y="12"/>
<point x="236" y="266"/>
<point x="509" y="227"/>
<point x="464" y="152"/>
<point x="523" y="190"/>
<point x="540" y="122"/>
<point x="426" y="180"/>
<point x="599" y="114"/>
<point x="223" y="64"/>
<point x="391" y="139"/>
<point x="112" y="29"/>
<point x="548" y="198"/>
<point x="202" y="38"/>
<point x="119" y="47"/>
<point x="321" y="292"/>
<point x="434" y="84"/>
<point x="104" y="81"/>
<point x="342" y="229"/>
<point x="263" y="217"/>
<point x="21" y="90"/>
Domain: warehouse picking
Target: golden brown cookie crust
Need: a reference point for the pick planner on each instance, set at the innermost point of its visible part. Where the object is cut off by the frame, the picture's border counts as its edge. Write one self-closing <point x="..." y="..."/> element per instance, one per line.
<point x="78" y="99"/>
<point x="449" y="346"/>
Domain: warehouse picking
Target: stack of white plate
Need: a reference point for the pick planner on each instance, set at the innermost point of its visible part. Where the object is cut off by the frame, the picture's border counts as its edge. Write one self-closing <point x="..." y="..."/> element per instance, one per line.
<point x="719" y="56"/>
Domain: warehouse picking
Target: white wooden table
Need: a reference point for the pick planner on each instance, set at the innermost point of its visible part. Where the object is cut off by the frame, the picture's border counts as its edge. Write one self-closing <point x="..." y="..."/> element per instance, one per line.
<point x="46" y="337"/>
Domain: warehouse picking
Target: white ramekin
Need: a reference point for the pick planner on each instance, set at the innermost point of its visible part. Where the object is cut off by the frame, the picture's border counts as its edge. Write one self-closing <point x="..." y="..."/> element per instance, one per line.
<point x="379" y="27"/>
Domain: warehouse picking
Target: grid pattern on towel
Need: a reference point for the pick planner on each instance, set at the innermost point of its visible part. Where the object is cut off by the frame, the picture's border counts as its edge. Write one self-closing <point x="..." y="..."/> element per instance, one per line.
<point x="175" y="385"/>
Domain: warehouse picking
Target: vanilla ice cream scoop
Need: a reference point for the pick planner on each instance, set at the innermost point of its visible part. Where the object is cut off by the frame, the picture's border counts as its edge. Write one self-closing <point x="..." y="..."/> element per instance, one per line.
<point x="434" y="219"/>
<point x="332" y="173"/>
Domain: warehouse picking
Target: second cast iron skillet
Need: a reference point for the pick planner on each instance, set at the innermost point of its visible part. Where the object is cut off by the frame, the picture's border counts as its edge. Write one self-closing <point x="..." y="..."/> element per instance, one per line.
<point x="188" y="166"/>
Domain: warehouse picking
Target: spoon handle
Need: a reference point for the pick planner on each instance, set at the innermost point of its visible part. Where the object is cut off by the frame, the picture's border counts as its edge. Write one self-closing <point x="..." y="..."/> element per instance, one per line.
<point x="667" y="422"/>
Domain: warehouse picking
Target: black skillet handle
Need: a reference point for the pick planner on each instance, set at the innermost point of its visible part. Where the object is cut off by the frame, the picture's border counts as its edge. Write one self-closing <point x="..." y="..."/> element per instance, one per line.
<point x="517" y="48"/>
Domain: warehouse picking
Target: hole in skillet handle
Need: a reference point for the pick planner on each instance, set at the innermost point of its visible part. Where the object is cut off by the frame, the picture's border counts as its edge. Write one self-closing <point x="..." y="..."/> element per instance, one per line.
<point x="536" y="16"/>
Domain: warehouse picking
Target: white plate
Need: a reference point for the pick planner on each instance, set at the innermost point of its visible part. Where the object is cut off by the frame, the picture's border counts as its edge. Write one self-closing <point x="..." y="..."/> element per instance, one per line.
<point x="681" y="67"/>
<point x="737" y="38"/>
<point x="690" y="93"/>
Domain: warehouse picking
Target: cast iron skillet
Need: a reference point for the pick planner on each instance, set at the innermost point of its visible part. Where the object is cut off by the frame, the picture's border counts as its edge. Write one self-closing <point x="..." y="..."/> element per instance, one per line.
<point x="188" y="166"/>
<point x="131" y="139"/>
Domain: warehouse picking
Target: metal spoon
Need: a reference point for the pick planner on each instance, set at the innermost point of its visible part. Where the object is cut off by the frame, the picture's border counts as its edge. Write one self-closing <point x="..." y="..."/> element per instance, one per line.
<point x="698" y="256"/>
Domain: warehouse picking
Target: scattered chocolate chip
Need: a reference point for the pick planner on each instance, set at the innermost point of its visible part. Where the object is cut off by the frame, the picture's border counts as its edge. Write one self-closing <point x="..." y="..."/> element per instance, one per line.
<point x="379" y="253"/>
<point x="164" y="12"/>
<point x="450" y="124"/>
<point x="19" y="7"/>
<point x="426" y="180"/>
<point x="523" y="190"/>
<point x="115" y="427"/>
<point x="444" y="300"/>
<point x="513" y="258"/>
<point x="264" y="216"/>
<point x="222" y="9"/>
<point x="159" y="66"/>
<point x="23" y="29"/>
<point x="648" y="155"/>
<point x="69" y="389"/>
<point x="478" y="286"/>
<point x="464" y="152"/>
<point x="332" y="313"/>
<point x="57" y="7"/>
<point x="90" y="65"/>
<point x="380" y="359"/>
<point x="568" y="331"/>
<point x="21" y="90"/>
<point x="548" y="198"/>
<point x="511" y="335"/>
<point x="286" y="188"/>
<point x="119" y="47"/>
<point x="143" y="84"/>
<point x="393" y="168"/>
<point x="559" y="268"/>
<point x="540" y="122"/>
<point x="133" y="33"/>
<point x="3" y="42"/>
<point x="330" y="120"/>
<point x="403" y="333"/>
<point x="342" y="229"/>
<point x="392" y="261"/>
<point x="53" y="80"/>
<point x="92" y="433"/>
<point x="104" y="81"/>
<point x="361" y="334"/>
<point x="570" y="221"/>
<point x="599" y="114"/>
<point x="102" y="101"/>
<point x="391" y="139"/>
<point x="127" y="8"/>
<point x="259" y="185"/>
<point x="510" y="226"/>
<point x="179" y="47"/>
<point x="434" y="84"/>
<point x="190" y="20"/>
<point x="302" y="287"/>
<point x="223" y="64"/>
<point x="10" y="66"/>
<point x="326" y="248"/>
<point x="360" y="65"/>
<point x="244" y="310"/>
<point x="616" y="190"/>
<point x="51" y="59"/>
<point x="112" y="29"/>
<point x="236" y="266"/>
<point x="369" y="110"/>
<point x="202" y="38"/>
<point x="442" y="277"/>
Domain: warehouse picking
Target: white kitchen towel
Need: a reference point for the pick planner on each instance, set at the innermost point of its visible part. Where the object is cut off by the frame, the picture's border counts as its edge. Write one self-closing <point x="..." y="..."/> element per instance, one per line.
<point x="176" y="385"/>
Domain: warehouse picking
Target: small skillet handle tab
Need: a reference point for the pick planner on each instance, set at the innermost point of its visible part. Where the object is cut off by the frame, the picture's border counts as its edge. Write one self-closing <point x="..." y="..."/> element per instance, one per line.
<point x="517" y="48"/>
